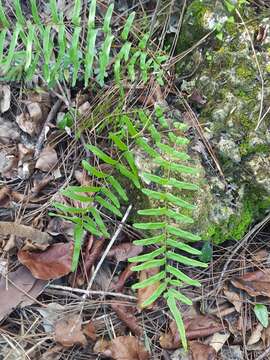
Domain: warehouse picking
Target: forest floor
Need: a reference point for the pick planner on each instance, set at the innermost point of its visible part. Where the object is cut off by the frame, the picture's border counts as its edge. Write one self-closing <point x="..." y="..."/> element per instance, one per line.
<point x="48" y="312"/>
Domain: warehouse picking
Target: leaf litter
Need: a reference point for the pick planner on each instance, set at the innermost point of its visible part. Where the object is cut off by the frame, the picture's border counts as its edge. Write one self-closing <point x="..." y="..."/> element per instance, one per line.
<point x="104" y="326"/>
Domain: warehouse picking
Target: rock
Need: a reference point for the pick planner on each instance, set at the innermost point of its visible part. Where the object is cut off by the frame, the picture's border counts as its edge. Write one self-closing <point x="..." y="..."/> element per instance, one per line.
<point x="229" y="79"/>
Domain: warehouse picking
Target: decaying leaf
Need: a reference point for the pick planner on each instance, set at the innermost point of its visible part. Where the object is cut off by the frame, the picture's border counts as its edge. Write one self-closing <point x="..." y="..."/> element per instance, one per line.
<point x="124" y="251"/>
<point x="128" y="318"/>
<point x="12" y="228"/>
<point x="47" y="160"/>
<point x="124" y="276"/>
<point x="5" y="96"/>
<point x="68" y="331"/>
<point x="8" y="131"/>
<point x="145" y="293"/>
<point x="196" y="327"/>
<point x="234" y="298"/>
<point x="13" y="293"/>
<point x="51" y="314"/>
<point x="90" y="331"/>
<point x="201" y="351"/>
<point x="52" y="263"/>
<point x="219" y="339"/>
<point x="232" y="352"/>
<point x="255" y="335"/>
<point x="254" y="283"/>
<point x="122" y="348"/>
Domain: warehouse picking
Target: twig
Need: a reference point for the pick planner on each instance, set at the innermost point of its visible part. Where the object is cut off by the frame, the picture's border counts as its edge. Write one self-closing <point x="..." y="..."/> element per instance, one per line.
<point x="50" y="117"/>
<point x="91" y="292"/>
<point x="115" y="236"/>
<point x="264" y="354"/>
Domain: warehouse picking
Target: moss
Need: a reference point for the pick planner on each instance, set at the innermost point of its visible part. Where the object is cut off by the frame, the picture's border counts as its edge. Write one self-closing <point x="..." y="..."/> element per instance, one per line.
<point x="255" y="203"/>
<point x="244" y="72"/>
<point x="247" y="149"/>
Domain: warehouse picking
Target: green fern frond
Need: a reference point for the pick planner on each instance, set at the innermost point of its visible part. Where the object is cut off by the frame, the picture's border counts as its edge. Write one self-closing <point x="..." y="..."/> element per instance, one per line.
<point x="166" y="219"/>
<point x="74" y="56"/>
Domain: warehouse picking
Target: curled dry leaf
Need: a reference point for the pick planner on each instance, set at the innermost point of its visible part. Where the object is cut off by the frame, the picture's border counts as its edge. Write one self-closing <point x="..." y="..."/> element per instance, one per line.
<point x="124" y="251"/>
<point x="125" y="315"/>
<point x="90" y="331"/>
<point x="199" y="351"/>
<point x="20" y="284"/>
<point x="47" y="159"/>
<point x="196" y="327"/>
<point x="122" y="348"/>
<point x="124" y="276"/>
<point x="52" y="263"/>
<point x="255" y="335"/>
<point x="234" y="299"/>
<point x="59" y="226"/>
<point x="255" y="283"/>
<point x="145" y="293"/>
<point x="68" y="331"/>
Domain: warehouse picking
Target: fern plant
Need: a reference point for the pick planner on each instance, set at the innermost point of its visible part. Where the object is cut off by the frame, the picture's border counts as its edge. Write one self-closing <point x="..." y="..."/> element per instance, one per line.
<point x="28" y="47"/>
<point x="165" y="234"/>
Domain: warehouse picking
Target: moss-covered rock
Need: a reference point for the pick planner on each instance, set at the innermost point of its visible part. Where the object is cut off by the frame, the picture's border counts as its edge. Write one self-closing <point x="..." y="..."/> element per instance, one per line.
<point x="228" y="77"/>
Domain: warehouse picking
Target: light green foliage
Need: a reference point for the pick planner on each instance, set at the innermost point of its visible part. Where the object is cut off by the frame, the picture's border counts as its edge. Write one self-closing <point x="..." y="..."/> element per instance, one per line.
<point x="161" y="225"/>
<point x="31" y="44"/>
<point x="261" y="313"/>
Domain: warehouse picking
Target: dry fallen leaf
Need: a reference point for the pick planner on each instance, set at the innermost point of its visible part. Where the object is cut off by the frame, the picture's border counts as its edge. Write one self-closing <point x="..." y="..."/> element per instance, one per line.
<point x="21" y="282"/>
<point x="122" y="348"/>
<point x="255" y="335"/>
<point x="5" y="96"/>
<point x="124" y="276"/>
<point x="68" y="331"/>
<point x="196" y="327"/>
<point x="90" y="331"/>
<point x="124" y="251"/>
<point x="127" y="317"/>
<point x="52" y="263"/>
<point x="47" y="159"/>
<point x="234" y="299"/>
<point x="218" y="340"/>
<point x="145" y="293"/>
<point x="201" y="351"/>
<point x="255" y="283"/>
<point x="232" y="352"/>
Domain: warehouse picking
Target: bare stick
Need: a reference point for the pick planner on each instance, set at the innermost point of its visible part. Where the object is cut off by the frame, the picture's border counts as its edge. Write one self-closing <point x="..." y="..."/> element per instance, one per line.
<point x="91" y="292"/>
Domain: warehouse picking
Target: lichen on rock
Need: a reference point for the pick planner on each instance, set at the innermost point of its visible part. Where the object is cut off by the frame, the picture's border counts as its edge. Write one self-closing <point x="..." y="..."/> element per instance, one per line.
<point x="229" y="79"/>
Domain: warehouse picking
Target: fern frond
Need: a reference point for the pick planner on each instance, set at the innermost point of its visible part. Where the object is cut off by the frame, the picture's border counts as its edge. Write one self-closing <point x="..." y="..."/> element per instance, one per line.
<point x="75" y="56"/>
<point x="165" y="222"/>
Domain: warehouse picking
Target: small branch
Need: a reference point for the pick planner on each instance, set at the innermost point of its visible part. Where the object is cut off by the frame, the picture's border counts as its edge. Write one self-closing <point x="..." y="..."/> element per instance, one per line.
<point x="91" y="292"/>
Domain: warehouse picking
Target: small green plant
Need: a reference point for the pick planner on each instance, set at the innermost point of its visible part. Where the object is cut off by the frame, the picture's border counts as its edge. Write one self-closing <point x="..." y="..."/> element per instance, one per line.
<point x="231" y="6"/>
<point x="261" y="313"/>
<point x="168" y="241"/>
<point x="61" y="52"/>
